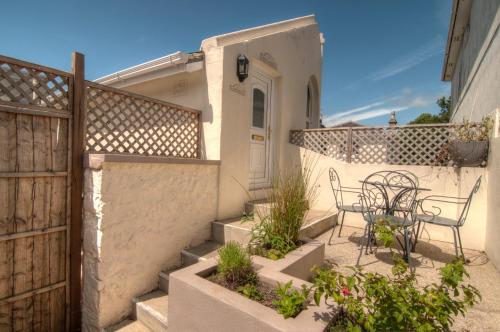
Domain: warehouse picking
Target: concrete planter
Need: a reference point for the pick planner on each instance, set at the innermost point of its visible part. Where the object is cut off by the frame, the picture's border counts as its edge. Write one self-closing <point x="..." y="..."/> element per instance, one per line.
<point x="197" y="304"/>
<point x="468" y="154"/>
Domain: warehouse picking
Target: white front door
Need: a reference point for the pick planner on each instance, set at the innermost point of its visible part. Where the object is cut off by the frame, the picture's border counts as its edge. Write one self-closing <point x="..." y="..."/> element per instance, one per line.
<point x="260" y="132"/>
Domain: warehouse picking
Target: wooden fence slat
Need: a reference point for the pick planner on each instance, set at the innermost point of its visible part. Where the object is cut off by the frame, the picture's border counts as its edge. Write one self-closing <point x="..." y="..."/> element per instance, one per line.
<point x="16" y="108"/>
<point x="38" y="232"/>
<point x="32" y="174"/>
<point x="23" y="274"/>
<point x="8" y="157"/>
<point x="41" y="218"/>
<point x="32" y="292"/>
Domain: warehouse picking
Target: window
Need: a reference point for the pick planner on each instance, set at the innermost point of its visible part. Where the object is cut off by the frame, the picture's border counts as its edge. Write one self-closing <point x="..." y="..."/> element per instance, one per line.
<point x="308" y="107"/>
<point x="259" y="99"/>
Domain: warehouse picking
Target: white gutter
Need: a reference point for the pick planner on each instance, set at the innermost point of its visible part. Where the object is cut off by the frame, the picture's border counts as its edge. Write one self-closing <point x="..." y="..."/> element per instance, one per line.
<point x="171" y="60"/>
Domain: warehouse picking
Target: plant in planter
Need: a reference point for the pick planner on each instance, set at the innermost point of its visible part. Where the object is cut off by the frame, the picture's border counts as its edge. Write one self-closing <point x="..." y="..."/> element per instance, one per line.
<point x="290" y="198"/>
<point x="470" y="148"/>
<point x="373" y="302"/>
<point x="235" y="265"/>
<point x="236" y="272"/>
<point x="291" y="301"/>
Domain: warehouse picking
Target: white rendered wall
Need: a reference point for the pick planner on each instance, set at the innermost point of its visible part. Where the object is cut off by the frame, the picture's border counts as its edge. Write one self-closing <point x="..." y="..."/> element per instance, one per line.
<point x="447" y="181"/>
<point x="137" y="219"/>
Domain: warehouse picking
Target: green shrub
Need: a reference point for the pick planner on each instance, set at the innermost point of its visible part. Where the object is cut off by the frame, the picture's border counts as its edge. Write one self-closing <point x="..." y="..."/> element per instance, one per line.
<point x="290" y="198"/>
<point x="374" y="302"/>
<point x="291" y="301"/>
<point x="235" y="265"/>
<point x="251" y="291"/>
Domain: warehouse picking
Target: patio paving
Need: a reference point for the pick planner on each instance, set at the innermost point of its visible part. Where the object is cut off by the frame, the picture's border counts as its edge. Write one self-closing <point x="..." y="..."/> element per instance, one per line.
<point x="429" y="256"/>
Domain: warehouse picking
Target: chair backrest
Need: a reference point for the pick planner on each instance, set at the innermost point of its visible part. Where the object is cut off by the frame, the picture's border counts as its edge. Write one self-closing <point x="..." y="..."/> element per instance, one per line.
<point x="390" y="191"/>
<point x="465" y="211"/>
<point x="336" y="187"/>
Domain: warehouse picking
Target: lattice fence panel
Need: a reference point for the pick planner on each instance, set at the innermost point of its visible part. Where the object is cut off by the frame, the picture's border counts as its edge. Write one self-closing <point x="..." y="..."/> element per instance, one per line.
<point x="120" y="122"/>
<point x="332" y="143"/>
<point x="401" y="145"/>
<point x="33" y="85"/>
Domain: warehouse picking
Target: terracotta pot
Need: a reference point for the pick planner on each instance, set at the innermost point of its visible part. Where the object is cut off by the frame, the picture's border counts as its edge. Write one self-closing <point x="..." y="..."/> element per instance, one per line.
<point x="468" y="154"/>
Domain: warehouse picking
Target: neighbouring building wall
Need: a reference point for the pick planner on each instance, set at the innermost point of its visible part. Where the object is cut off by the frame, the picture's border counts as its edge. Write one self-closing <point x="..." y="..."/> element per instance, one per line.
<point x="493" y="224"/>
<point x="291" y="57"/>
<point x="139" y="213"/>
<point x="447" y="181"/>
<point x="476" y="79"/>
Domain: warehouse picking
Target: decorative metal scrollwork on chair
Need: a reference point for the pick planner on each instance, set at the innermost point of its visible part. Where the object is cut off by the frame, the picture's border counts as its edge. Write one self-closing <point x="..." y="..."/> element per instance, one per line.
<point x="431" y="207"/>
<point x="338" y="192"/>
<point x="390" y="195"/>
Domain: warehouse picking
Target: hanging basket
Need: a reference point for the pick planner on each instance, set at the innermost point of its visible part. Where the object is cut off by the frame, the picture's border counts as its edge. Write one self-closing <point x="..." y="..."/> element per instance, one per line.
<point x="468" y="154"/>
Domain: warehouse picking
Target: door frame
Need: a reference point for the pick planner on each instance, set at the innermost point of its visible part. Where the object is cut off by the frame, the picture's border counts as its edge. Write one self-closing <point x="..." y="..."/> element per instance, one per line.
<point x="271" y="125"/>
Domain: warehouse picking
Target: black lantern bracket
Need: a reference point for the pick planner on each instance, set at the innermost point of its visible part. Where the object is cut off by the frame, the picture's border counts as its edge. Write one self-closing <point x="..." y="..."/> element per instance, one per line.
<point x="242" y="65"/>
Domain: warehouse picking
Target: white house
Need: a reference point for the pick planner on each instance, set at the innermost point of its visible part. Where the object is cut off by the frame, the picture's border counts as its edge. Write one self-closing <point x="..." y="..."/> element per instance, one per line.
<point x="246" y="121"/>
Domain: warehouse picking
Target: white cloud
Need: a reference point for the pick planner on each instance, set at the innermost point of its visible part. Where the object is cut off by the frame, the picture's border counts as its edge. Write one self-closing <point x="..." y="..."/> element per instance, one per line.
<point x="405" y="62"/>
<point x="351" y="111"/>
<point x="393" y="104"/>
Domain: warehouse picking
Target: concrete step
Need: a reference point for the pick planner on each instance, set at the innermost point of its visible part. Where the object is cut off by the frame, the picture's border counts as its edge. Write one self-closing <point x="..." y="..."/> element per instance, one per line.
<point x="239" y="229"/>
<point x="164" y="276"/>
<point x="128" y="325"/>
<point x="259" y="208"/>
<point x="205" y="250"/>
<point x="151" y="310"/>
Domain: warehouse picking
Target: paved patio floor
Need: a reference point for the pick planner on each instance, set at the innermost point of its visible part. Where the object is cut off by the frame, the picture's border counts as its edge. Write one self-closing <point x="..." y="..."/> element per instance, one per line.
<point x="429" y="256"/>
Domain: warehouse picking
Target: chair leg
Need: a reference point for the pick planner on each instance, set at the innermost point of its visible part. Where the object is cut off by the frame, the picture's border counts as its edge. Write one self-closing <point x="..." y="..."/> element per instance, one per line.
<point x="331" y="235"/>
<point x="455" y="241"/>
<point x="369" y="239"/>
<point x="416" y="236"/>
<point x="460" y="243"/>
<point x="342" y="222"/>
<point x="407" y="245"/>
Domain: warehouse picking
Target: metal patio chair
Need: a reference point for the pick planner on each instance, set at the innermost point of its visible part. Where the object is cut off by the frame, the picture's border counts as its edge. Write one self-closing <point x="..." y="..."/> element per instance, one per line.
<point x="338" y="192"/>
<point x="432" y="214"/>
<point x="390" y="195"/>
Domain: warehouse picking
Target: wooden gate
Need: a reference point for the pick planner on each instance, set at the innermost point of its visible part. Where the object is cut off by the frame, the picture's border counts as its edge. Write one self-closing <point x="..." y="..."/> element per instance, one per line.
<point x="36" y="138"/>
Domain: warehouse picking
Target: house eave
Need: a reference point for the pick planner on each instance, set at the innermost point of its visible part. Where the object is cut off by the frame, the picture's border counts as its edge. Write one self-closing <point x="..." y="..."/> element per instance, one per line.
<point x="459" y="20"/>
<point x="171" y="64"/>
<point x="263" y="30"/>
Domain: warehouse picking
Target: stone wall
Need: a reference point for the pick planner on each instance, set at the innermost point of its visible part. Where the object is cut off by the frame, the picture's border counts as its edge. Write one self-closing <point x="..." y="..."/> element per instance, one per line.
<point x="139" y="213"/>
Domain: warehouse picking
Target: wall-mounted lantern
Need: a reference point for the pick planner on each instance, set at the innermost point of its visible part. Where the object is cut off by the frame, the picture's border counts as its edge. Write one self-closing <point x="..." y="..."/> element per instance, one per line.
<point x="242" y="67"/>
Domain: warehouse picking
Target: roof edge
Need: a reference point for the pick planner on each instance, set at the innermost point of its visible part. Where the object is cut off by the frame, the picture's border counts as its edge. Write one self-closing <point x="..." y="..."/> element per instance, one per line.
<point x="164" y="62"/>
<point x="262" y="30"/>
<point x="459" y="19"/>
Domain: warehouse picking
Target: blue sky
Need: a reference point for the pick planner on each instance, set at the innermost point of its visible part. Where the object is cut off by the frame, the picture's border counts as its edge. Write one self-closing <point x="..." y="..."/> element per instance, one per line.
<point x="379" y="55"/>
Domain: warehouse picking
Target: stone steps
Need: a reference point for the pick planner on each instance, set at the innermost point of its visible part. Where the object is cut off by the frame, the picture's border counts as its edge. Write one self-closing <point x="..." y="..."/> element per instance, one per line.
<point x="239" y="229"/>
<point x="205" y="250"/>
<point x="128" y="325"/>
<point x="152" y="310"/>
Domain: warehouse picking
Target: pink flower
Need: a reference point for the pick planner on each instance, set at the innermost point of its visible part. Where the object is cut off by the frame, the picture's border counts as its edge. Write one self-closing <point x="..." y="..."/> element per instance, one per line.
<point x="346" y="291"/>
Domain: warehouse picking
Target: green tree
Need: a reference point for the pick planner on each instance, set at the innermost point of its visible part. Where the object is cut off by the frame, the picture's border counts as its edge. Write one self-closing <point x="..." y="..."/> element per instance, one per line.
<point x="444" y="104"/>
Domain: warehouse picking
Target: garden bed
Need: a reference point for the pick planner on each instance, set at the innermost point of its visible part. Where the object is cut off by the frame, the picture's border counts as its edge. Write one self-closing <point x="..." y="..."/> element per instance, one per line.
<point x="267" y="292"/>
<point x="198" y="302"/>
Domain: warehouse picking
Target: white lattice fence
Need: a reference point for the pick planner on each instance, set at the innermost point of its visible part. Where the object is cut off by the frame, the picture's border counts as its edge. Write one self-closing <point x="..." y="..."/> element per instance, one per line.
<point x="122" y="122"/>
<point x="332" y="143"/>
<point x="38" y="86"/>
<point x="399" y="145"/>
